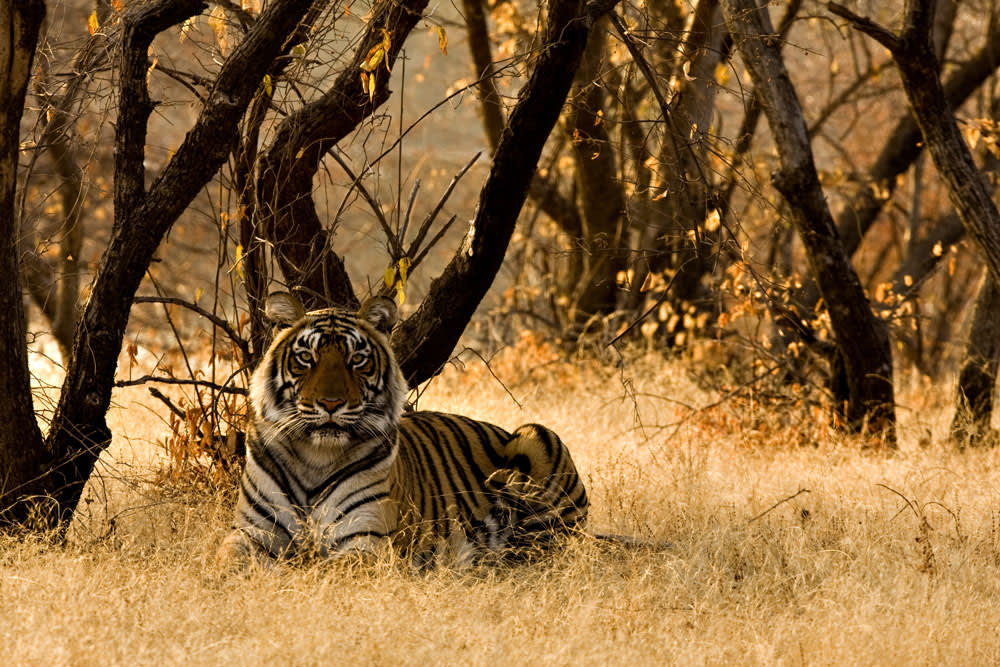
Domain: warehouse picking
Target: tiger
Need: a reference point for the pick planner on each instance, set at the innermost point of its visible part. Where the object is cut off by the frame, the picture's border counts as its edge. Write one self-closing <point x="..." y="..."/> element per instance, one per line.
<point x="335" y="464"/>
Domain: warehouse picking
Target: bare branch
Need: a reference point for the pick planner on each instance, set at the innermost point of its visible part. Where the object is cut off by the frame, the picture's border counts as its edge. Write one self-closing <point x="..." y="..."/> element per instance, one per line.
<point x="863" y="24"/>
<point x="146" y="379"/>
<point x="208" y="315"/>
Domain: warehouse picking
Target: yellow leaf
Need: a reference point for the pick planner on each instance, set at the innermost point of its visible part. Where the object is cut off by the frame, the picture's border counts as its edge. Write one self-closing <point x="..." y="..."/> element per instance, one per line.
<point x="92" y="23"/>
<point x="722" y="73"/>
<point x="938" y="249"/>
<point x="373" y="58"/>
<point x="239" y="260"/>
<point x="442" y="40"/>
<point x="390" y="277"/>
<point x="267" y="85"/>
<point x="299" y="50"/>
<point x="186" y="28"/>
<point x="364" y="81"/>
<point x="400" y="294"/>
<point x="149" y="72"/>
<point x="386" y="47"/>
<point x="197" y="294"/>
<point x="972" y="134"/>
<point x="371" y="88"/>
<point x="404" y="268"/>
<point x="217" y="20"/>
<point x="713" y="221"/>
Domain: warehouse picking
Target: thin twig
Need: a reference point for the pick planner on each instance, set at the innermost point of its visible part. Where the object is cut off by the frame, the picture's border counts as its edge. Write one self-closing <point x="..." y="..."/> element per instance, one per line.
<point x="433" y="242"/>
<point x="394" y="244"/>
<point x="640" y="60"/>
<point x="490" y="369"/>
<point x="866" y="25"/>
<point x="157" y="394"/>
<point x="409" y="210"/>
<point x="777" y="504"/>
<point x="211" y="317"/>
<point x="239" y="391"/>
<point x="426" y="224"/>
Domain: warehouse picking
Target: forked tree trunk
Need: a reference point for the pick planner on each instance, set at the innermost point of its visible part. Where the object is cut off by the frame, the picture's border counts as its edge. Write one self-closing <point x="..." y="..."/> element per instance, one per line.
<point x="78" y="432"/>
<point x="914" y="55"/>
<point x="862" y="340"/>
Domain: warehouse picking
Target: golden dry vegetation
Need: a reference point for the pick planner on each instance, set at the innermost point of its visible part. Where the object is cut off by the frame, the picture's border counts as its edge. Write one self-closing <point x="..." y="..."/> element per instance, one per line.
<point x="878" y="559"/>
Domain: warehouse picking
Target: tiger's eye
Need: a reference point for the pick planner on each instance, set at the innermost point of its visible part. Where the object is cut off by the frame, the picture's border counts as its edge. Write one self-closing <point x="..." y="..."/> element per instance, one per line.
<point x="304" y="359"/>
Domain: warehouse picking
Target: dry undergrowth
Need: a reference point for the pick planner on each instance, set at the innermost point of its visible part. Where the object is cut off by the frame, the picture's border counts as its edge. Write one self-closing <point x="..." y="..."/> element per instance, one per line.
<point x="787" y="544"/>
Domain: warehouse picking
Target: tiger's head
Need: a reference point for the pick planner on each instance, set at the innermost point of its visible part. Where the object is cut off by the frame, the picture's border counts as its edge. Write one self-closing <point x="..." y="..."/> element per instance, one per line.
<point x="329" y="377"/>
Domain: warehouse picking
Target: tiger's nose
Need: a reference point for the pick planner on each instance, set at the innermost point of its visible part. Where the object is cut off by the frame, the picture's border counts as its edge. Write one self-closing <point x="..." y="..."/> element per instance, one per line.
<point x="330" y="404"/>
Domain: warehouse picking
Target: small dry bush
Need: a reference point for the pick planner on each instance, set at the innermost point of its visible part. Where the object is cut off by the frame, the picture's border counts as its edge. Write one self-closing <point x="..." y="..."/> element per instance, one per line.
<point x="767" y="537"/>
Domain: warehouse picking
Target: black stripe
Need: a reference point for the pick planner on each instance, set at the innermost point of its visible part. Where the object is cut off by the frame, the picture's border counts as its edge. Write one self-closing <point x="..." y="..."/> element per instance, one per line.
<point x="361" y="533"/>
<point x="321" y="492"/>
<point x="275" y="471"/>
<point x="431" y="507"/>
<point x="253" y="498"/>
<point x="465" y="492"/>
<point x="374" y="497"/>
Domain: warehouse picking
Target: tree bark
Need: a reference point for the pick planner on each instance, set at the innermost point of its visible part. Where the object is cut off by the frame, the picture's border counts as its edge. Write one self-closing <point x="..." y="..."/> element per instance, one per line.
<point x="21" y="451"/>
<point x="288" y="216"/>
<point x="78" y="431"/>
<point x="600" y="196"/>
<point x="490" y="106"/>
<point x="913" y="52"/>
<point x="424" y="342"/>
<point x="978" y="376"/>
<point x="862" y="340"/>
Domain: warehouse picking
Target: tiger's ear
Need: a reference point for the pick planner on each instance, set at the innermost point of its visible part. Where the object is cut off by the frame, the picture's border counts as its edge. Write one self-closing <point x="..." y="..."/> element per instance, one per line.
<point x="283" y="308"/>
<point x="380" y="312"/>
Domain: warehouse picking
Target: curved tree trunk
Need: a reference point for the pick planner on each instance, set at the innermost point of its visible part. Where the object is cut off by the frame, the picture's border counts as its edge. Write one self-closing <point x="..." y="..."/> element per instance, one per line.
<point x="21" y="453"/>
<point x="424" y="342"/>
<point x="862" y="340"/>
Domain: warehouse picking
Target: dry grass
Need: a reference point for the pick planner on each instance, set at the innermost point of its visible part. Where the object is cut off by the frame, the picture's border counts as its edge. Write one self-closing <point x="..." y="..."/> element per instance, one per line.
<point x="846" y="573"/>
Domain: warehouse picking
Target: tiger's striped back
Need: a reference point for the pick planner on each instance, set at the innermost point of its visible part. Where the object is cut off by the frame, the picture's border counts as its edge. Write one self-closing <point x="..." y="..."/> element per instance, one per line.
<point x="497" y="489"/>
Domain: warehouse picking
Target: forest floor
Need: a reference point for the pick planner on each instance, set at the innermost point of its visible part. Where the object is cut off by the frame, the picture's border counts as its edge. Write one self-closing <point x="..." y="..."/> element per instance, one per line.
<point x="773" y="540"/>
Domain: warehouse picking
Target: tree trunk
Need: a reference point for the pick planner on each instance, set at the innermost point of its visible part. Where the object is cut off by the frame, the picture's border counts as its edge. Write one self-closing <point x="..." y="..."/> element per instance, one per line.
<point x="21" y="452"/>
<point x="862" y="340"/>
<point x="978" y="376"/>
<point x="601" y="199"/>
<point x="424" y="342"/>
<point x="490" y="106"/>
<point x="78" y="431"/>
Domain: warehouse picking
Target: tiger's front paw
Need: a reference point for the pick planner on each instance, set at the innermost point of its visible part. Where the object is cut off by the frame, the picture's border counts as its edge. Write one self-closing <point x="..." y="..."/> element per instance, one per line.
<point x="238" y="553"/>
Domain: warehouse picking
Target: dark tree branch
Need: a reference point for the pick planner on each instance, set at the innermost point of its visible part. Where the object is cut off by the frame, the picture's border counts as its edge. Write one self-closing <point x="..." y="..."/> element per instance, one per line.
<point x="208" y="315"/>
<point x="79" y="432"/>
<point x="862" y="341"/>
<point x="424" y="342"/>
<point x="21" y="451"/>
<point x="287" y="211"/>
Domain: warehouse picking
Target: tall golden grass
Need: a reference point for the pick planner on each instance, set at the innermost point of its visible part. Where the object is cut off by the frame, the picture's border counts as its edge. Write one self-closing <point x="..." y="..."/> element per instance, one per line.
<point x="771" y="540"/>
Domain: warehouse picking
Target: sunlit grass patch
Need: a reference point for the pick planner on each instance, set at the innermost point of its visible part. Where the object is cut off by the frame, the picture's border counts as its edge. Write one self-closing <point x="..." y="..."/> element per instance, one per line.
<point x="763" y="539"/>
